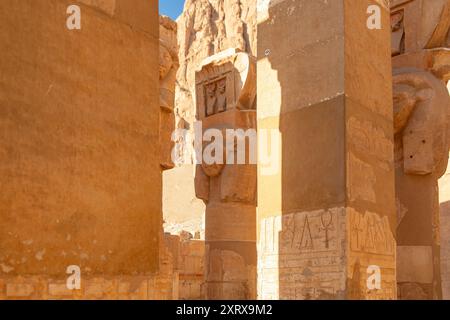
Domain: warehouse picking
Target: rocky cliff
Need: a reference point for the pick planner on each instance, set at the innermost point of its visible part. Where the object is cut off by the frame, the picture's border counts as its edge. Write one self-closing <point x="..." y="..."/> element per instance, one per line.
<point x="207" y="27"/>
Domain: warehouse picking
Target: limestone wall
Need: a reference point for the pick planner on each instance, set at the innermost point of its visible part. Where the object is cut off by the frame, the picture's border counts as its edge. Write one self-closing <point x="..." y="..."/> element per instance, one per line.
<point x="185" y="262"/>
<point x="327" y="212"/>
<point x="80" y="168"/>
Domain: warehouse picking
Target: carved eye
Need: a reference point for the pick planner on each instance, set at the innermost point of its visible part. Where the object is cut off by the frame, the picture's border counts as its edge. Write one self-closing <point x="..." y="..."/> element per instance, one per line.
<point x="423" y="141"/>
<point x="411" y="157"/>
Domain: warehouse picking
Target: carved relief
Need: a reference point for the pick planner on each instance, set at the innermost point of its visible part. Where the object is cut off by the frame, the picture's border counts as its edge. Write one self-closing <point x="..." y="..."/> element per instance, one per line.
<point x="421" y="110"/>
<point x="302" y="253"/>
<point x="370" y="233"/>
<point x="371" y="242"/>
<point x="361" y="180"/>
<point x="311" y="232"/>
<point x="418" y="25"/>
<point x="225" y="96"/>
<point x="168" y="66"/>
<point x="225" y="88"/>
<point x="224" y="82"/>
<point x="215" y="97"/>
<point x="369" y="140"/>
<point x="398" y="32"/>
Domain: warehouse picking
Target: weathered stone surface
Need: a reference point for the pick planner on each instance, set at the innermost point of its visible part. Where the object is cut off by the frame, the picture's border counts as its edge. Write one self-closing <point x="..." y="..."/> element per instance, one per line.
<point x="85" y="144"/>
<point x="80" y="167"/>
<point x="327" y="213"/>
<point x="413" y="31"/>
<point x="225" y="96"/>
<point x="64" y="172"/>
<point x="192" y="266"/>
<point x="421" y="114"/>
<point x="168" y="67"/>
<point x="19" y="290"/>
<point x="206" y="28"/>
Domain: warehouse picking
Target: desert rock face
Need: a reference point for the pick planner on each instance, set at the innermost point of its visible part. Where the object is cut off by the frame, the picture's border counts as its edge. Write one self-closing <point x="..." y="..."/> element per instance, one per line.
<point x="205" y="28"/>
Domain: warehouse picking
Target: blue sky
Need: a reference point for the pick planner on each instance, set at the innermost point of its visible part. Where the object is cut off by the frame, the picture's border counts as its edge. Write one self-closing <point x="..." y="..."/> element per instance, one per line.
<point x="171" y="8"/>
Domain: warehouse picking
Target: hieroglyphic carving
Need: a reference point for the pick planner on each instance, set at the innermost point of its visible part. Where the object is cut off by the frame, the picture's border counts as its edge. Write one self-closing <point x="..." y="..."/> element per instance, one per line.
<point x="371" y="242"/>
<point x="292" y="270"/>
<point x="361" y="180"/>
<point x="370" y="233"/>
<point x="327" y="225"/>
<point x="302" y="253"/>
<point x="225" y="82"/>
<point x="419" y="24"/>
<point x="312" y="232"/>
<point x="215" y="96"/>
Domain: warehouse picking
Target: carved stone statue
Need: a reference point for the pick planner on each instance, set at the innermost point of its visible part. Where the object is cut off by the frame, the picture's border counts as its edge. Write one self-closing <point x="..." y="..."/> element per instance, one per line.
<point x="225" y="94"/>
<point x="168" y="66"/>
<point x="421" y="114"/>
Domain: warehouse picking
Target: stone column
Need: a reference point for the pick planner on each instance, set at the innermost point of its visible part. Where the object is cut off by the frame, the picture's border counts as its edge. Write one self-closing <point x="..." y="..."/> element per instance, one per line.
<point x="421" y="108"/>
<point x="225" y="97"/>
<point x="444" y="208"/>
<point x="326" y="208"/>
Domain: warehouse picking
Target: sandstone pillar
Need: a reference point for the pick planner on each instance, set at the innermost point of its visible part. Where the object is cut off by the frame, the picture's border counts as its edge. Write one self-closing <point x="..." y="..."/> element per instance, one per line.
<point x="444" y="219"/>
<point x="225" y="95"/>
<point x="326" y="214"/>
<point x="421" y="62"/>
<point x="79" y="159"/>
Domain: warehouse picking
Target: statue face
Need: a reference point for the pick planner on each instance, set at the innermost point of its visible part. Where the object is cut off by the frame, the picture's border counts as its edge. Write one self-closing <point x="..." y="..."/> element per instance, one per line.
<point x="422" y="21"/>
<point x="212" y="170"/>
<point x="211" y="90"/>
<point x="421" y="108"/>
<point x="165" y="62"/>
<point x="222" y="85"/>
<point x="404" y="102"/>
<point x="396" y="21"/>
